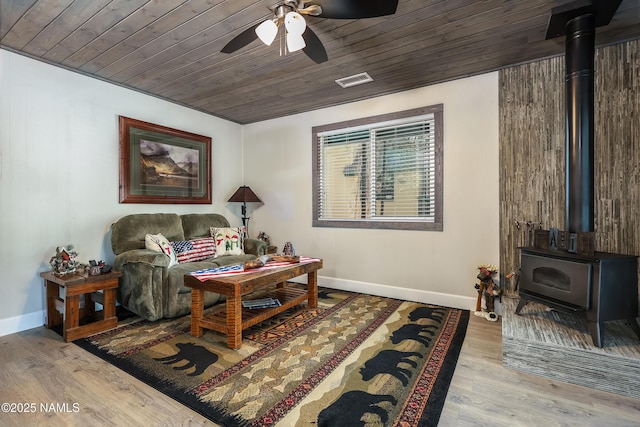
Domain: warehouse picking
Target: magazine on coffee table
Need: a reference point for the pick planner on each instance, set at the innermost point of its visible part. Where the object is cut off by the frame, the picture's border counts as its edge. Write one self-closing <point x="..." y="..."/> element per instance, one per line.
<point x="261" y="303"/>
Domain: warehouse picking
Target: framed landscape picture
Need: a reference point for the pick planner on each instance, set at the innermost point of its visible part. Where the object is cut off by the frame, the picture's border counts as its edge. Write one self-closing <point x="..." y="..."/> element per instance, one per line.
<point x="163" y="165"/>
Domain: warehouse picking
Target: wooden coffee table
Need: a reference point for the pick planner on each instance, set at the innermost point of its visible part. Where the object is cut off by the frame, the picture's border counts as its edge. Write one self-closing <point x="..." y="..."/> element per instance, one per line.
<point x="231" y="319"/>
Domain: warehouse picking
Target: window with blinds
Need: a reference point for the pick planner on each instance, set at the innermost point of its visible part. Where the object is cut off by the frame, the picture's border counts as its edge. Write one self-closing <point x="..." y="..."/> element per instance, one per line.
<point x="380" y="172"/>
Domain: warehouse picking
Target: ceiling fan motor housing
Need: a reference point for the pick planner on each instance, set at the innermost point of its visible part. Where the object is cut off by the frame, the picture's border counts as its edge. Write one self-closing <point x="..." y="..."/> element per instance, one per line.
<point x="297" y="6"/>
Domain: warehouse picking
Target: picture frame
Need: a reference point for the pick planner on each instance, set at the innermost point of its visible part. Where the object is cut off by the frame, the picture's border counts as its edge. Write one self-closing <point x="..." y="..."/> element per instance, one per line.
<point x="159" y="164"/>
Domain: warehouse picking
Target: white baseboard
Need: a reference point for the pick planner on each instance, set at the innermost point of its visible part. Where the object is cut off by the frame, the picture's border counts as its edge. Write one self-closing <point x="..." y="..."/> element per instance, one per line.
<point x="427" y="297"/>
<point x="22" y="322"/>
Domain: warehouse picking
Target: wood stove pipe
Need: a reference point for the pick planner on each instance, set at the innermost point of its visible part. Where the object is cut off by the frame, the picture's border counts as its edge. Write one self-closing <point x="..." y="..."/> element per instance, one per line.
<point x="578" y="21"/>
<point x="579" y="57"/>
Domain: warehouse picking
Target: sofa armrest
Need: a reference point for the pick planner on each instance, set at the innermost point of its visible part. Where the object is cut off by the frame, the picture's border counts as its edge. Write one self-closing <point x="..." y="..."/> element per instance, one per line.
<point x="143" y="256"/>
<point x="143" y="283"/>
<point x="255" y="247"/>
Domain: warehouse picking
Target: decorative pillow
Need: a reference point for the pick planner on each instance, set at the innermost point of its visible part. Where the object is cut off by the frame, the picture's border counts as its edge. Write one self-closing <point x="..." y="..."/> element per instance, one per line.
<point x="194" y="250"/>
<point x="159" y="243"/>
<point x="228" y="241"/>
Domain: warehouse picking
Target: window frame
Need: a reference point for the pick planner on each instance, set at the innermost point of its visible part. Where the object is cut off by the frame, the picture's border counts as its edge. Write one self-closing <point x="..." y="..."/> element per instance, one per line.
<point x="409" y="224"/>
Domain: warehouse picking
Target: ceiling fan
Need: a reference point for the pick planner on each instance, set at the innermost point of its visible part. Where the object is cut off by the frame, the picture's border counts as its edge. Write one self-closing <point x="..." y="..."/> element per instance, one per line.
<point x="298" y="35"/>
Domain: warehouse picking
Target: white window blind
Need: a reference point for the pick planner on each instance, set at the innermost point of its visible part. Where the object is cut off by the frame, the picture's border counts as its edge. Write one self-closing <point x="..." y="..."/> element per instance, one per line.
<point x="379" y="172"/>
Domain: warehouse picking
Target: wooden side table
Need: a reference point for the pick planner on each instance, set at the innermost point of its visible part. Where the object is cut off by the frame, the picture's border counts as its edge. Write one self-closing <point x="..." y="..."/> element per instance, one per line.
<point x="63" y="302"/>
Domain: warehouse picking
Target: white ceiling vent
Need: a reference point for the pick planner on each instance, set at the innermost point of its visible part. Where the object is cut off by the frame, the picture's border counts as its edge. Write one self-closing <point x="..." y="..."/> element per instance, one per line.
<point x="354" y="80"/>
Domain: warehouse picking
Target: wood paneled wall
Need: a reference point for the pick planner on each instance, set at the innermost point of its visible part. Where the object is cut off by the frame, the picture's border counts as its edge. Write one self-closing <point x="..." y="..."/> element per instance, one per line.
<point x="532" y="149"/>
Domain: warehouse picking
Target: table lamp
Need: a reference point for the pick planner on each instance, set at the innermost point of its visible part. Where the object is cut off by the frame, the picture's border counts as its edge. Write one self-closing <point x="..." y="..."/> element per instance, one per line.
<point x="243" y="195"/>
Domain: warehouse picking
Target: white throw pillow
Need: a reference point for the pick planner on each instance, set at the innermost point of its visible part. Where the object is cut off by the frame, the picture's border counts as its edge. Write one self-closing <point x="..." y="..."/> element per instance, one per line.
<point x="228" y="241"/>
<point x="159" y="243"/>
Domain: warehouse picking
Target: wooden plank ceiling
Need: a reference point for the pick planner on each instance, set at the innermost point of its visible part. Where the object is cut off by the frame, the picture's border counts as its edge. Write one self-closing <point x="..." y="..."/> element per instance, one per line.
<point x="171" y="48"/>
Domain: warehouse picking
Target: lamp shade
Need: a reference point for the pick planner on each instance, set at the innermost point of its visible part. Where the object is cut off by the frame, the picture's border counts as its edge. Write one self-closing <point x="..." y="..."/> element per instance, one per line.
<point x="295" y="23"/>
<point x="267" y="31"/>
<point x="244" y="194"/>
<point x="295" y="42"/>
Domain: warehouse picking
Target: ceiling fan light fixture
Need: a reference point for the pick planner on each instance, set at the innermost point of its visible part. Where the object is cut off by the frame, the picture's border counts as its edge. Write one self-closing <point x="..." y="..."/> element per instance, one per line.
<point x="267" y="31"/>
<point x="291" y="12"/>
<point x="295" y="42"/>
<point x="295" y="23"/>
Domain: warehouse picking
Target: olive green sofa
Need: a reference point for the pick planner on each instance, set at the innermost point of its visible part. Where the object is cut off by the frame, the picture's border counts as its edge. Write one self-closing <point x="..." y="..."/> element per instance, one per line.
<point x="148" y="286"/>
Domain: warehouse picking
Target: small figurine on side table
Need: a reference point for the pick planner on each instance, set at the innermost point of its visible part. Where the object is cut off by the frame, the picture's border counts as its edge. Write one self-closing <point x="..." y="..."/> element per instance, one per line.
<point x="97" y="268"/>
<point x="64" y="261"/>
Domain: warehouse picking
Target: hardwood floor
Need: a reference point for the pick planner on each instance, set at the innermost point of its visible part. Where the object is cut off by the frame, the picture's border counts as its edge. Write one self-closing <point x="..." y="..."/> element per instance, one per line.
<point x="484" y="393"/>
<point x="39" y="368"/>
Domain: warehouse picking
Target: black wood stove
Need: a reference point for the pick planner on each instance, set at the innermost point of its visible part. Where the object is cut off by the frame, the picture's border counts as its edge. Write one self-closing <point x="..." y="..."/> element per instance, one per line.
<point x="563" y="270"/>
<point x="601" y="287"/>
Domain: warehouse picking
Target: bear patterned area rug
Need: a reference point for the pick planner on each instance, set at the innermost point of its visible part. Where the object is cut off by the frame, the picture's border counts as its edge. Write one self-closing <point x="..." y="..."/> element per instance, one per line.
<point x="356" y="360"/>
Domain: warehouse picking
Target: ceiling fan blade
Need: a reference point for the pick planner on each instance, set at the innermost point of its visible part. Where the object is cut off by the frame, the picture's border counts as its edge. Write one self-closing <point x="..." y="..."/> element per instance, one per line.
<point x="354" y="9"/>
<point x="241" y="40"/>
<point x="314" y="49"/>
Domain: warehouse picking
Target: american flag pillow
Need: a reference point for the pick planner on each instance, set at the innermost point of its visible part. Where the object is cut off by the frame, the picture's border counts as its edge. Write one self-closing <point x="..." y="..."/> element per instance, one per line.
<point x="194" y="250"/>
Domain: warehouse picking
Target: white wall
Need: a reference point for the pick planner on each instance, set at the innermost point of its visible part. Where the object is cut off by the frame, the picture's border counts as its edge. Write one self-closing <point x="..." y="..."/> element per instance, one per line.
<point x="436" y="267"/>
<point x="59" y="172"/>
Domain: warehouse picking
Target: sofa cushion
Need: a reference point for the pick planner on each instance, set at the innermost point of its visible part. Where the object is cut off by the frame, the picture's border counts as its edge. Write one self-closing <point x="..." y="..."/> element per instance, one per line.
<point x="129" y="232"/>
<point x="159" y="243"/>
<point x="195" y="249"/>
<point x="228" y="241"/>
<point x="198" y="225"/>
